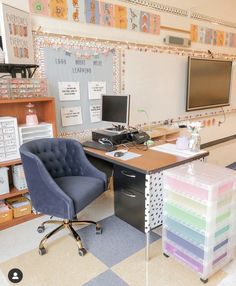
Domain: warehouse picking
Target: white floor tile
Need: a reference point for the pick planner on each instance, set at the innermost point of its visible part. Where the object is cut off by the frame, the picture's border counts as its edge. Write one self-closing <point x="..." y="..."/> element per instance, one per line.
<point x="24" y="237"/>
<point x="3" y="281"/>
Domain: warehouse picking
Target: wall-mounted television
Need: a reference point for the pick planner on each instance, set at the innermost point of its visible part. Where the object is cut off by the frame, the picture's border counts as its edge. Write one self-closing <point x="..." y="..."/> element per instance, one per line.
<point x="208" y="83"/>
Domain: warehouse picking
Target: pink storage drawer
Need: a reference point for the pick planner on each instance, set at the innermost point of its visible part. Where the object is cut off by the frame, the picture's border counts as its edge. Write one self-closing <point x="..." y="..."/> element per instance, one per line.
<point x="200" y="180"/>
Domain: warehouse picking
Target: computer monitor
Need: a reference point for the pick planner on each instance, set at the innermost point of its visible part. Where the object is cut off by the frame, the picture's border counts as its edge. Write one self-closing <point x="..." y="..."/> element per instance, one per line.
<point x="115" y="109"/>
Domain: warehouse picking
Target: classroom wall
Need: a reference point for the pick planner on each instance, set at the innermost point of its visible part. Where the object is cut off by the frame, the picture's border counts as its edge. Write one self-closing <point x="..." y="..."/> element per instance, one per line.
<point x="215" y="8"/>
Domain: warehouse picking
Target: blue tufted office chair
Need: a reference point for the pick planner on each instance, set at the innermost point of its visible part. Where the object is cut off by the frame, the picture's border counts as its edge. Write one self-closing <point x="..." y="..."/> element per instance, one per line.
<point x="61" y="183"/>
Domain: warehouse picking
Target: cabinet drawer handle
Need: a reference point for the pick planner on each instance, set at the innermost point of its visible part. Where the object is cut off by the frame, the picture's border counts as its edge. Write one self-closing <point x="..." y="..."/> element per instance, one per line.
<point x="123" y="172"/>
<point x="129" y="194"/>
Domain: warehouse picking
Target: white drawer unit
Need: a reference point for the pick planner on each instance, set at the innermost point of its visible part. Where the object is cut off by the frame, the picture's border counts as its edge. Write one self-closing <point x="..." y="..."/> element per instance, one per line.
<point x="199" y="216"/>
<point x="41" y="130"/>
<point x="9" y="139"/>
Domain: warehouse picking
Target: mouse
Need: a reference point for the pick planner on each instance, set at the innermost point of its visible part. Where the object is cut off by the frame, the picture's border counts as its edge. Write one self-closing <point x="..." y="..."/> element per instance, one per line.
<point x="119" y="154"/>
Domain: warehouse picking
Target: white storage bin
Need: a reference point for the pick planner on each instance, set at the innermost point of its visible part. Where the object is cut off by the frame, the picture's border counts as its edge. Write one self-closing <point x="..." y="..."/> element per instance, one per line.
<point x="41" y="130"/>
<point x="18" y="176"/>
<point x="4" y="184"/>
<point x="9" y="139"/>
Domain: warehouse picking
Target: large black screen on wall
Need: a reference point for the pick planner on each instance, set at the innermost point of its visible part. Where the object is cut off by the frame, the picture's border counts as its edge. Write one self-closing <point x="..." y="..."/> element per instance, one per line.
<point x="208" y="83"/>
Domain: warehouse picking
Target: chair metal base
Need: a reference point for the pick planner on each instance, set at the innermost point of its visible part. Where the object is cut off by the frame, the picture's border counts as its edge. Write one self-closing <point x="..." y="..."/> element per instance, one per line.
<point x="69" y="225"/>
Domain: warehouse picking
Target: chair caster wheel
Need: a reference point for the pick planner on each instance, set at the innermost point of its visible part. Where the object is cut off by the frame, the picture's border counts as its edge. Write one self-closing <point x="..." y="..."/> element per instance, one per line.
<point x="98" y="229"/>
<point x="41" y="229"/>
<point x="42" y="251"/>
<point x="204" y="280"/>
<point x="82" y="251"/>
<point x="166" y="255"/>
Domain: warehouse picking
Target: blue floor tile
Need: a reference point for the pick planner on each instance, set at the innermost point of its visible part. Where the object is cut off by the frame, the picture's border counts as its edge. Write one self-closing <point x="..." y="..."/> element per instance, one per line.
<point x="107" y="278"/>
<point x="117" y="242"/>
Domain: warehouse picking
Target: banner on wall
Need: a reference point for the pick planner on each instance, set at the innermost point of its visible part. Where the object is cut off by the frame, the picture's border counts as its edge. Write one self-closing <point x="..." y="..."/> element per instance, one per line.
<point x="16" y="35"/>
<point x="99" y="13"/>
<point x="209" y="36"/>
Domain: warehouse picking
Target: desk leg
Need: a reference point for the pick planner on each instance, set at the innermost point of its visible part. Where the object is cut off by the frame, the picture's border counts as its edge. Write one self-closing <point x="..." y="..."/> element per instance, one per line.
<point x="147" y="246"/>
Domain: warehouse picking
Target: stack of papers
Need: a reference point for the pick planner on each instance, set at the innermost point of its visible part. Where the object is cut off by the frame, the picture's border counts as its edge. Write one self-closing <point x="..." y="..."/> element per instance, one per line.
<point x="16" y="205"/>
<point x="171" y="149"/>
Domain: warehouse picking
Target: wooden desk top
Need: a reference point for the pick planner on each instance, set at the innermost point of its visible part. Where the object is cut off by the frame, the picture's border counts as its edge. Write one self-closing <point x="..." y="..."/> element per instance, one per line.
<point x="150" y="162"/>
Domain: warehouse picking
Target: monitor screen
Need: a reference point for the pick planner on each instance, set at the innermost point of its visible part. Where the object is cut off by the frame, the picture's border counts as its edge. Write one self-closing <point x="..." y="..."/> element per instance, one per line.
<point x="115" y="108"/>
<point x="208" y="83"/>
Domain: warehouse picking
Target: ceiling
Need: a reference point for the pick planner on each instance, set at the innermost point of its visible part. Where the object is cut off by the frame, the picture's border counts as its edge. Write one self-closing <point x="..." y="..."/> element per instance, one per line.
<point x="225" y="10"/>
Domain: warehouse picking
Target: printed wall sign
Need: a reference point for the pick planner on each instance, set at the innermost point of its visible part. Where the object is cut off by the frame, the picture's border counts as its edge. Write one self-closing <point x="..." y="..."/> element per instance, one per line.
<point x="16" y="35"/>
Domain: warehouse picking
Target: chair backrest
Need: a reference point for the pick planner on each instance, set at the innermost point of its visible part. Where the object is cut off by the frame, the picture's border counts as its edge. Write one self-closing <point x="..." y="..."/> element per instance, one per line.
<point x="61" y="157"/>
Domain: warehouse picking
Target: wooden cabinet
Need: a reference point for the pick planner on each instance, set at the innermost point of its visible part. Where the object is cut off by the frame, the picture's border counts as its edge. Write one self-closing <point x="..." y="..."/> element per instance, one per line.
<point x="45" y="108"/>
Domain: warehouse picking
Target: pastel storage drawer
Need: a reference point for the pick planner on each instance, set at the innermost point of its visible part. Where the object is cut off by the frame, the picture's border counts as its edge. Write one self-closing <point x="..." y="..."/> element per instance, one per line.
<point x="205" y="269"/>
<point x="199" y="238"/>
<point x="195" y="221"/>
<point x="201" y="208"/>
<point x="198" y="251"/>
<point x="4" y="184"/>
<point x="203" y="181"/>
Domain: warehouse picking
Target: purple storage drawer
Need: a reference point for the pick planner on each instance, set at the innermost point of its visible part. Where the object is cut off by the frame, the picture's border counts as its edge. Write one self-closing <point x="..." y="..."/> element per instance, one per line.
<point x="195" y="265"/>
<point x="191" y="262"/>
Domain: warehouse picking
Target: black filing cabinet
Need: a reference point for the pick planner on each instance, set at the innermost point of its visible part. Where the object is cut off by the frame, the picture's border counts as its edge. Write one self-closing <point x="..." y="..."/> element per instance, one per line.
<point x="129" y="187"/>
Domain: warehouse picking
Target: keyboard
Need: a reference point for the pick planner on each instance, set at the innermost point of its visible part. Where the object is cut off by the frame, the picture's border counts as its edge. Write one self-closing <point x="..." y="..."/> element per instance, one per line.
<point x="99" y="146"/>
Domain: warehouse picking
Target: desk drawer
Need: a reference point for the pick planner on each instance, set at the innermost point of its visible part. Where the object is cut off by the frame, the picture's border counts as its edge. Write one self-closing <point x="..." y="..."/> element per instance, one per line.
<point x="130" y="206"/>
<point x="129" y="178"/>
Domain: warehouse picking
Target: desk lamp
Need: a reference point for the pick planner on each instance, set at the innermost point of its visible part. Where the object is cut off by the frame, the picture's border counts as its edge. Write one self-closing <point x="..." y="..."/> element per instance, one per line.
<point x="149" y="142"/>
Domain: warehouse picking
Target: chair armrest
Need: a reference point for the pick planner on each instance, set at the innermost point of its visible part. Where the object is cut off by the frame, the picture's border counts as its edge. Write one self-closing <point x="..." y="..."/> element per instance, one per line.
<point x="88" y="169"/>
<point x="47" y="197"/>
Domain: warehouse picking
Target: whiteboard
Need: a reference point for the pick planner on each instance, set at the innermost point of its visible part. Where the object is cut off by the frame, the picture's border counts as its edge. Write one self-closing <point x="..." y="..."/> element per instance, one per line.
<point x="157" y="83"/>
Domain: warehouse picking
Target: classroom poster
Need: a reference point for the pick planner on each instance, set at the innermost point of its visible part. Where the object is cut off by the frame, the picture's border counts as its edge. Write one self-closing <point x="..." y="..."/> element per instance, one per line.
<point x="95" y="113"/>
<point x="73" y="10"/>
<point x="208" y="36"/>
<point x="71" y="116"/>
<point x="133" y="19"/>
<point x="69" y="91"/>
<point x="39" y="7"/>
<point x="194" y="33"/>
<point x="220" y="38"/>
<point x="92" y="11"/>
<point x="154" y="24"/>
<point x="58" y="9"/>
<point x="16" y="35"/>
<point x="144" y="22"/>
<point x="120" y="17"/>
<point x="106" y="14"/>
<point x="96" y="89"/>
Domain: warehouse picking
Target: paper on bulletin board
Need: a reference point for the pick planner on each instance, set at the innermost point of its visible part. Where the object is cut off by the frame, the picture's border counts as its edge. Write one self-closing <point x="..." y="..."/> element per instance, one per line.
<point x="69" y="90"/>
<point x="95" y="113"/>
<point x="71" y="115"/>
<point x="96" y="89"/>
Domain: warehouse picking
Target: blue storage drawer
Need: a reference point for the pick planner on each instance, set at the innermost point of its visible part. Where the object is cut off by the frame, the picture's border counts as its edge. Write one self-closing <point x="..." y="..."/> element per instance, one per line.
<point x="190" y="247"/>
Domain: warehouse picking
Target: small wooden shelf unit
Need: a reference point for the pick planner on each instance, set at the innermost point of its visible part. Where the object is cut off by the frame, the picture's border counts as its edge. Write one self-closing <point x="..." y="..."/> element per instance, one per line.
<point x="45" y="108"/>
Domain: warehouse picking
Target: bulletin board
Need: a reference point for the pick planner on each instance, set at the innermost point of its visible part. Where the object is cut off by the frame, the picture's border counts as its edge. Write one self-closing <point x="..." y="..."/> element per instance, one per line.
<point x="78" y="73"/>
